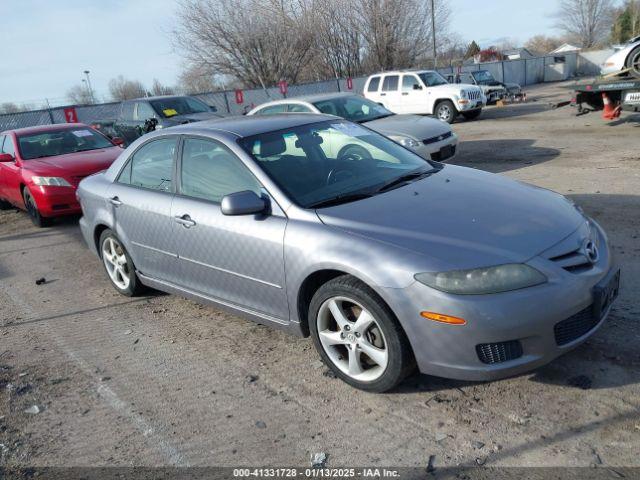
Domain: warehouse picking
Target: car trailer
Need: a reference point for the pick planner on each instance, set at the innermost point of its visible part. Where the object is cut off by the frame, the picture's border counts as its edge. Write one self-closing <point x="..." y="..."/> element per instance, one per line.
<point x="611" y="94"/>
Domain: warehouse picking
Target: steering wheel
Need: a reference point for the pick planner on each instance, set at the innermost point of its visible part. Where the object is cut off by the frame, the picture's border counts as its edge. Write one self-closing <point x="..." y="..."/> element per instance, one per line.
<point x="348" y="163"/>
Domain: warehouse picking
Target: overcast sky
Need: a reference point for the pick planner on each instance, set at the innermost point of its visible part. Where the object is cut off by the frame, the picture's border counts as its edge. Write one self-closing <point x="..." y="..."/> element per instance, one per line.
<point x="46" y="44"/>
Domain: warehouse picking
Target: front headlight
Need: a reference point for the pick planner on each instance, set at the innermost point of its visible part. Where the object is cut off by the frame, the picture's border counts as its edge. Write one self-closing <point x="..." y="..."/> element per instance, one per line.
<point x="405" y="141"/>
<point x="463" y="94"/>
<point x="481" y="281"/>
<point x="50" y="182"/>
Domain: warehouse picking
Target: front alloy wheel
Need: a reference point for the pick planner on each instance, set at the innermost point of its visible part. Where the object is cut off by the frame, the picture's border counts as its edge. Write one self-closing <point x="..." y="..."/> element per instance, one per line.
<point x="446" y="111"/>
<point x="358" y="336"/>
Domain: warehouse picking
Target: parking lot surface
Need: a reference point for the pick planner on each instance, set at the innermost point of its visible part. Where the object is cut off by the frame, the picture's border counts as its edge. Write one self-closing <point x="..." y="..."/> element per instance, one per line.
<point x="160" y="380"/>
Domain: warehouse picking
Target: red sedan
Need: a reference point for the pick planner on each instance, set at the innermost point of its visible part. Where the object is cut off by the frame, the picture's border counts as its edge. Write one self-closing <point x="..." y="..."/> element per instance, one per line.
<point x="40" y="167"/>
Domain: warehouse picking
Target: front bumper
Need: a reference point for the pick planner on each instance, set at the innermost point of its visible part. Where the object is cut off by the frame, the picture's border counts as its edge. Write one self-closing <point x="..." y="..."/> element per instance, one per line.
<point x="526" y="318"/>
<point x="439" y="151"/>
<point x="55" y="201"/>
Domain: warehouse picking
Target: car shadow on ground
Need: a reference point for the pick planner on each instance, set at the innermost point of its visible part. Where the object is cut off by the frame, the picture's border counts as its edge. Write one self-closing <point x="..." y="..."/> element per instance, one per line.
<point x="626" y="118"/>
<point x="512" y="110"/>
<point x="500" y="155"/>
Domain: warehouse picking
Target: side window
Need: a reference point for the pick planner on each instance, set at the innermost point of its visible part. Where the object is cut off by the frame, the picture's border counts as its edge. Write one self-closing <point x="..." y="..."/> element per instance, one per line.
<point x="126" y="112"/>
<point x="374" y="83"/>
<point x="467" y="78"/>
<point x="297" y="108"/>
<point x="410" y="83"/>
<point x="8" y="147"/>
<point x="151" y="166"/>
<point x="390" y="83"/>
<point x="210" y="171"/>
<point x="272" y="109"/>
<point x="143" y="111"/>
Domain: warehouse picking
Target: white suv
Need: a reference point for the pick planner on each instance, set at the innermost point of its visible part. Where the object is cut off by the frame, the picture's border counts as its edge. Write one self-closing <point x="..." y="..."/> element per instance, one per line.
<point x="425" y="92"/>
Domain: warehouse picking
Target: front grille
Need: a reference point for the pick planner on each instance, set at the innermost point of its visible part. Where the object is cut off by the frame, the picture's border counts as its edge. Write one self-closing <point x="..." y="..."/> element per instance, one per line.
<point x="443" y="154"/>
<point x="574" y="261"/>
<point x="474" y="94"/>
<point x="439" y="138"/>
<point x="491" y="353"/>
<point x="575" y="326"/>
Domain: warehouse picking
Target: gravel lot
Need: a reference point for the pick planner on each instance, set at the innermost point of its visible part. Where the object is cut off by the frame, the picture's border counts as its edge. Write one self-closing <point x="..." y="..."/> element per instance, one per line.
<point x="161" y="380"/>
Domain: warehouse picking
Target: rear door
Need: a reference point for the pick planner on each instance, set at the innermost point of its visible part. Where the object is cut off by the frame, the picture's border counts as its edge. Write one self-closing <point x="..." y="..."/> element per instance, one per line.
<point x="390" y="93"/>
<point x="235" y="259"/>
<point x="141" y="199"/>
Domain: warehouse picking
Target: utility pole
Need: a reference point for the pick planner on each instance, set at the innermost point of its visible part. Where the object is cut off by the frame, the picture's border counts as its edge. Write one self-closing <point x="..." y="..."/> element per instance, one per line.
<point x="93" y="98"/>
<point x="433" y="32"/>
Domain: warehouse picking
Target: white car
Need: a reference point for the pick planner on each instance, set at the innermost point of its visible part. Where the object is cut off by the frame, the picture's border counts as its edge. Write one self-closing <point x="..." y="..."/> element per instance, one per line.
<point x="429" y="138"/>
<point x="626" y="56"/>
<point x="425" y="92"/>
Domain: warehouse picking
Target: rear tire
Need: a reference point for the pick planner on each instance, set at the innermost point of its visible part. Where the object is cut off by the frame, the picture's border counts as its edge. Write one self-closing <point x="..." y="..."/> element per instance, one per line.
<point x="446" y="111"/>
<point x="32" y="209"/>
<point x="633" y="62"/>
<point x="358" y="336"/>
<point x="118" y="265"/>
<point x="472" y="115"/>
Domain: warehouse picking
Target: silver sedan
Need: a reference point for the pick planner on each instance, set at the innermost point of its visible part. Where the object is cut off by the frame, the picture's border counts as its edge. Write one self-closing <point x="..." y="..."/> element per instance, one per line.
<point x="430" y="138"/>
<point x="387" y="260"/>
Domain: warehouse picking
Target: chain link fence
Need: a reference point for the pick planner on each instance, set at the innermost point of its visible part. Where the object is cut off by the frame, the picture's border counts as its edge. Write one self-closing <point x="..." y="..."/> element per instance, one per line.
<point x="524" y="72"/>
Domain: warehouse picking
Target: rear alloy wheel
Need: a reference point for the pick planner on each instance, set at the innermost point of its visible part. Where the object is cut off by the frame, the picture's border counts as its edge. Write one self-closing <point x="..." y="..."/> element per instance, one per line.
<point x="32" y="209"/>
<point x="118" y="265"/>
<point x="446" y="111"/>
<point x="358" y="337"/>
<point x="633" y="62"/>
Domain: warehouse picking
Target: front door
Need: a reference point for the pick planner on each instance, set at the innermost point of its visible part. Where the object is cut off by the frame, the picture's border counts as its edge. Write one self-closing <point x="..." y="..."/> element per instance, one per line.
<point x="413" y="97"/>
<point x="235" y="259"/>
<point x="9" y="173"/>
<point x="141" y="199"/>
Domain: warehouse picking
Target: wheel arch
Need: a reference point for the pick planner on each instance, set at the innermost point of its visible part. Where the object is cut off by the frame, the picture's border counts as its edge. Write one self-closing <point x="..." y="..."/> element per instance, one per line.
<point x="97" y="232"/>
<point x="438" y="101"/>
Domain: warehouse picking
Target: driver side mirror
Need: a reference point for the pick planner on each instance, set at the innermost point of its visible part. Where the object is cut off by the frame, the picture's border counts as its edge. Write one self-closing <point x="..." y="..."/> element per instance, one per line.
<point x="417" y="87"/>
<point x="119" y="141"/>
<point x="246" y="202"/>
<point x="6" y="157"/>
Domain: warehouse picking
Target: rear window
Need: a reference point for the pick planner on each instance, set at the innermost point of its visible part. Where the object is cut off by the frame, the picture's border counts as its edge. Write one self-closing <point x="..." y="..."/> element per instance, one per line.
<point x="390" y="83"/>
<point x="374" y="83"/>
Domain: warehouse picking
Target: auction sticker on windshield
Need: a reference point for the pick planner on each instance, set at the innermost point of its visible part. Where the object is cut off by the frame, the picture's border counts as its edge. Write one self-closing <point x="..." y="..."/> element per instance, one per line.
<point x="169" y="112"/>
<point x="82" y="133"/>
<point x="351" y="129"/>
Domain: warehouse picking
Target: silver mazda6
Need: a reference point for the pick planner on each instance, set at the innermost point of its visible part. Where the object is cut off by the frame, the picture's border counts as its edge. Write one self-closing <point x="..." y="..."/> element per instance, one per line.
<point x="386" y="259"/>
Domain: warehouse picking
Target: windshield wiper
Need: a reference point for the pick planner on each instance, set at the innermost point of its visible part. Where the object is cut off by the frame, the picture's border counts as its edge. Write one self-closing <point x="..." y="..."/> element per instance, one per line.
<point x="340" y="199"/>
<point x="404" y="179"/>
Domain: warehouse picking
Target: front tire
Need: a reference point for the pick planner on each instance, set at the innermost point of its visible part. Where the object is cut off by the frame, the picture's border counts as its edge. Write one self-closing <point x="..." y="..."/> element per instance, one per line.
<point x="358" y="337"/>
<point x="32" y="209"/>
<point x="472" y="115"/>
<point x="446" y="111"/>
<point x="118" y="265"/>
<point x="633" y="62"/>
<point x="5" y="205"/>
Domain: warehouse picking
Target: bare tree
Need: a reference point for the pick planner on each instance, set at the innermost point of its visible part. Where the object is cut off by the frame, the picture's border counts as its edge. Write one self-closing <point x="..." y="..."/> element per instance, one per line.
<point x="542" y="44"/>
<point x="79" y="94"/>
<point x="587" y="21"/>
<point x="257" y="42"/>
<point x="196" y="79"/>
<point x="158" y="88"/>
<point x="121" y="88"/>
<point x="9" y="107"/>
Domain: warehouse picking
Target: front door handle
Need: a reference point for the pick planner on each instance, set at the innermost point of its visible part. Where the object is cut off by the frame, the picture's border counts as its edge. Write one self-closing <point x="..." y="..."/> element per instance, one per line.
<point x="405" y="93"/>
<point x="383" y="94"/>
<point x="115" y="201"/>
<point x="185" y="221"/>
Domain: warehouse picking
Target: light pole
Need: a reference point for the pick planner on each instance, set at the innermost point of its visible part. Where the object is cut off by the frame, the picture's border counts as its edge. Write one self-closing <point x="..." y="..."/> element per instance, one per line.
<point x="433" y="32"/>
<point x="93" y="99"/>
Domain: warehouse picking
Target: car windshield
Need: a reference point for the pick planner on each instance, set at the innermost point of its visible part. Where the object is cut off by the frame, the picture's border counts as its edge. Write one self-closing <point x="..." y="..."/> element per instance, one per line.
<point x="333" y="162"/>
<point x="172" y="106"/>
<point x="353" y="108"/>
<point x="61" y="142"/>
<point x="483" y="77"/>
<point x="432" y="79"/>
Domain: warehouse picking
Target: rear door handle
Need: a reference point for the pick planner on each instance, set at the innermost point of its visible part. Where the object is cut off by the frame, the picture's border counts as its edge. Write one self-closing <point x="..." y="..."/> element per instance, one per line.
<point x="185" y="221"/>
<point x="115" y="201"/>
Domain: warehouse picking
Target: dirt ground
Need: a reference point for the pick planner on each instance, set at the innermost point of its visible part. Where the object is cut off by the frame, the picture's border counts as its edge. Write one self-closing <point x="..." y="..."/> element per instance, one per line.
<point x="161" y="380"/>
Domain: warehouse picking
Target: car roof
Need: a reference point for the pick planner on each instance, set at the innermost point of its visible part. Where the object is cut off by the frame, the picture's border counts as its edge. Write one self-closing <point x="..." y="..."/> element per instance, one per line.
<point x="317" y="97"/>
<point x="400" y="72"/>
<point x="247" y="126"/>
<point x="156" y="97"/>
<point x="45" y="128"/>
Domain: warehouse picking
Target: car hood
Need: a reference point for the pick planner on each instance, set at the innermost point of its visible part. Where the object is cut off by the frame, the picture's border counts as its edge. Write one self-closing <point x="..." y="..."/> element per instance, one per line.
<point x="190" y="117"/>
<point x="456" y="88"/>
<point x="414" y="126"/>
<point x="461" y="218"/>
<point x="74" y="164"/>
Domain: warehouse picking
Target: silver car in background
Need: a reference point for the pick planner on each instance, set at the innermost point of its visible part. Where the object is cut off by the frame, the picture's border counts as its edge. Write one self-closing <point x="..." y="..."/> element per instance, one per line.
<point x="387" y="260"/>
<point x="428" y="137"/>
<point x="625" y="56"/>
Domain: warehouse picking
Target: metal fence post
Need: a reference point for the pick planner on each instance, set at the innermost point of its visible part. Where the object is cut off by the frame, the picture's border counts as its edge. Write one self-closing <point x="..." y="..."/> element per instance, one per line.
<point x="49" y="111"/>
<point x="226" y="102"/>
<point x="338" y="83"/>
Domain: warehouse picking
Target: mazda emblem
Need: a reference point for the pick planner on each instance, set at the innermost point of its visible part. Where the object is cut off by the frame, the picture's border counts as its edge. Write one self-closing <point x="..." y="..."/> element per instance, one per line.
<point x="590" y="251"/>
